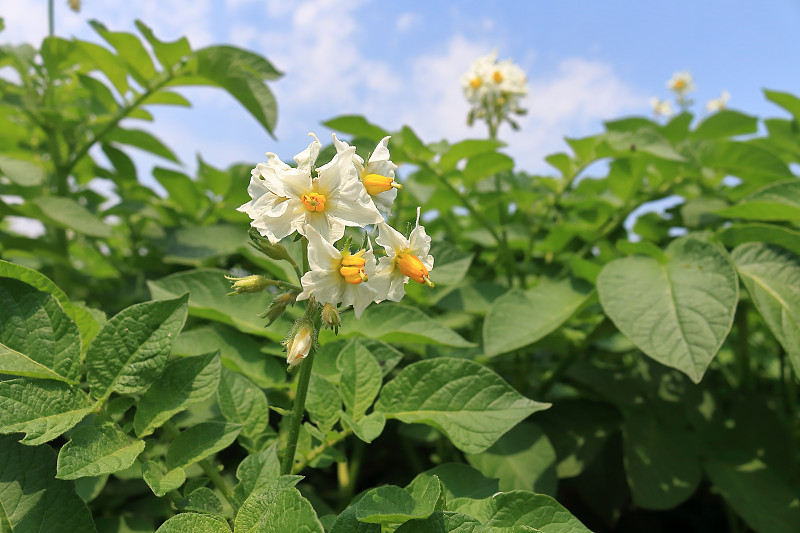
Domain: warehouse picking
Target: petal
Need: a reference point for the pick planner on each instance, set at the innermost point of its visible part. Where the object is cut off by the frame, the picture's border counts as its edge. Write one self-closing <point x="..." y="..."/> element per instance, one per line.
<point x="359" y="296"/>
<point x="325" y="287"/>
<point x="273" y="161"/>
<point x="295" y="183"/>
<point x="391" y="240"/>
<point x="322" y="255"/>
<point x="276" y="228"/>
<point x="337" y="170"/>
<point x="308" y="157"/>
<point x="419" y="241"/>
<point x="381" y="152"/>
<point x="384" y="200"/>
<point x="353" y="213"/>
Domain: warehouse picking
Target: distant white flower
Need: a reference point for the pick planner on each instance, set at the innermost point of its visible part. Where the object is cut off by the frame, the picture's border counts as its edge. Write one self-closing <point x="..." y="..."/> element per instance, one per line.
<point x="299" y="346"/>
<point x="501" y="82"/>
<point x="474" y="82"/>
<point x="405" y="259"/>
<point x="338" y="276"/>
<point x="661" y="107"/>
<point x="718" y="104"/>
<point x="378" y="176"/>
<point x="681" y="83"/>
<point x="285" y="199"/>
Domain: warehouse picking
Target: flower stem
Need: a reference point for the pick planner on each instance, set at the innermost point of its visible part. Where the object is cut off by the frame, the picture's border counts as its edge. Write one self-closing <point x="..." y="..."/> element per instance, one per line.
<point x="51" y="26"/>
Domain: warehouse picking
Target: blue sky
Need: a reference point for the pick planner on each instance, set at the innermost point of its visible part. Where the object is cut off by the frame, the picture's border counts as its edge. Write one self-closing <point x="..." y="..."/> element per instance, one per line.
<point x="399" y="62"/>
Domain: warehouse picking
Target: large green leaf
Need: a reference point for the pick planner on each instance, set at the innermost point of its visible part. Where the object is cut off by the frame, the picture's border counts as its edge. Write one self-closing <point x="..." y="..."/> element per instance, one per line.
<point x="95" y="451"/>
<point x="466" y="150"/>
<point x="83" y="319"/>
<point x="255" y="472"/>
<point x="522" y="459"/>
<point x="468" y="402"/>
<point x="753" y="164"/>
<point x="360" y="380"/>
<point x="396" y="323"/>
<point x="448" y="522"/>
<point x="661" y="464"/>
<point x="509" y="510"/>
<point x="67" y="213"/>
<point x="37" y="338"/>
<point x="788" y="101"/>
<point x="772" y="277"/>
<point x="239" y="352"/>
<point x="678" y="312"/>
<point x="22" y="173"/>
<point x="194" y="522"/>
<point x="758" y="494"/>
<point x="486" y="164"/>
<point x="185" y="381"/>
<point x="207" y="299"/>
<point x="738" y="234"/>
<point x="131" y="51"/>
<point x="168" y="53"/>
<point x="347" y="522"/>
<point x="392" y="505"/>
<point x="725" y="123"/>
<point x="43" y="409"/>
<point x="160" y="480"/>
<point x="131" y="350"/>
<point x="242" y="402"/>
<point x="32" y="500"/>
<point x="780" y="201"/>
<point x="142" y="140"/>
<point x="356" y="125"/>
<point x="323" y="402"/>
<point x="198" y="442"/>
<point x="277" y="508"/>
<point x="519" y="318"/>
<point x="459" y="481"/>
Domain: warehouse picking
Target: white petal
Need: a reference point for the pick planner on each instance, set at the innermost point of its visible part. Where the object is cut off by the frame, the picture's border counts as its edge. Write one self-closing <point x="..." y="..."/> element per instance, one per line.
<point x="419" y="241"/>
<point x="381" y="152"/>
<point x="307" y="157"/>
<point x="322" y="255"/>
<point x="391" y="240"/>
<point x="337" y="170"/>
<point x="384" y="200"/>
<point x="324" y="286"/>
<point x="273" y="161"/>
<point x="359" y="296"/>
<point x="295" y="183"/>
<point x="276" y="228"/>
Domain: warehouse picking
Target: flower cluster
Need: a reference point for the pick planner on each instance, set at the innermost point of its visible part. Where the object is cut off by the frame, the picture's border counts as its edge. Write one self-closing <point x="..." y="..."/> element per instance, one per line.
<point x="318" y="203"/>
<point x="494" y="89"/>
<point x="681" y="84"/>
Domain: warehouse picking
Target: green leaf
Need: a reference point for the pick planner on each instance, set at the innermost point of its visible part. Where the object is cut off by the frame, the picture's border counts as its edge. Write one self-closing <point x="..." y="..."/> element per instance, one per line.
<point x="203" y="500"/>
<point x="277" y="508"/>
<point x="207" y="288"/>
<point x="142" y="140"/>
<point x="357" y="126"/>
<point x="741" y="233"/>
<point x="131" y="50"/>
<point x="185" y="381"/>
<point x="242" y="402"/>
<point x="104" y="60"/>
<point x="399" y="324"/>
<point x="41" y="408"/>
<point x="32" y="500"/>
<point x="367" y="428"/>
<point x="196" y="523"/>
<point x="468" y="402"/>
<point x="645" y="140"/>
<point x="753" y="164"/>
<point x="95" y="451"/>
<point x="392" y="505"/>
<point x="348" y="523"/>
<point x="360" y="380"/>
<point x="519" y="508"/>
<point x="465" y="150"/>
<point x="131" y="350"/>
<point x="240" y="353"/>
<point x="522" y="459"/>
<point x="725" y="123"/>
<point x="780" y="201"/>
<point x="679" y="312"/>
<point x="662" y="467"/>
<point x="194" y="246"/>
<point x="83" y="319"/>
<point x="199" y="441"/>
<point x="772" y="277"/>
<point x="160" y="480"/>
<point x="255" y="472"/>
<point x="323" y="402"/>
<point x="37" y="338"/>
<point x="452" y="263"/>
<point x="447" y="522"/>
<point x="519" y="318"/>
<point x="757" y="494"/>
<point x="67" y="213"/>
<point x="166" y="98"/>
<point x="168" y="54"/>
<point x="22" y="173"/>
<point x="788" y="101"/>
<point x="459" y="480"/>
<point x="484" y="165"/>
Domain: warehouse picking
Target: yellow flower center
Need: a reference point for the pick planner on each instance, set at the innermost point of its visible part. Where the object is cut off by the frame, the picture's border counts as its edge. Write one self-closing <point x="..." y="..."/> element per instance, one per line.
<point x="497" y="76"/>
<point x="411" y="266"/>
<point x="375" y="184"/>
<point x="353" y="269"/>
<point x="679" y="84"/>
<point x="313" y="201"/>
<point x="475" y="83"/>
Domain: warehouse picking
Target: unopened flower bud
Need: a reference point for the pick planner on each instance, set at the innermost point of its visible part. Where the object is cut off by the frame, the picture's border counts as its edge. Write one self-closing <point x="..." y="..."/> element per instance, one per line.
<point x="74" y="5"/>
<point x="278" y="305"/>
<point x="273" y="251"/>
<point x="299" y="345"/>
<point x="248" y="284"/>
<point x="331" y="318"/>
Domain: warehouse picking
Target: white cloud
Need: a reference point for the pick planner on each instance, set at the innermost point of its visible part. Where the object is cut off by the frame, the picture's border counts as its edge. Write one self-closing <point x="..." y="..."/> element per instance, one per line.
<point x="406" y="21"/>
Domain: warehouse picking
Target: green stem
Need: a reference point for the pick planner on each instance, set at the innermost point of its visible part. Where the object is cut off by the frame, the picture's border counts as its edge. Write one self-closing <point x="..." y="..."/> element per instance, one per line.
<point x="319" y="450"/>
<point x="50" y="18"/>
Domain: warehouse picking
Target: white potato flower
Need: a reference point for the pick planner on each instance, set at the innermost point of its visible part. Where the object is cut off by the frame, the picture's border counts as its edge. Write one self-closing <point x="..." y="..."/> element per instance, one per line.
<point x="681" y="83"/>
<point x="285" y="199"/>
<point x="503" y="82"/>
<point x="474" y="82"/>
<point x="718" y="104"/>
<point x="661" y="107"/>
<point x="378" y="174"/>
<point x="405" y="259"/>
<point x="338" y="276"/>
